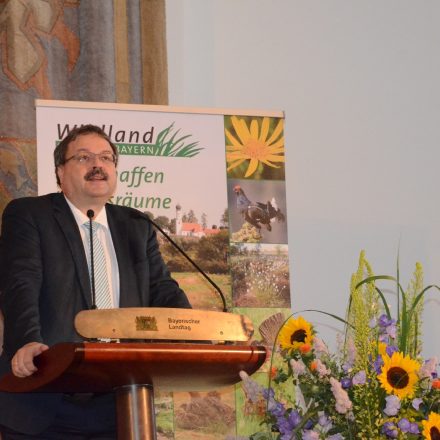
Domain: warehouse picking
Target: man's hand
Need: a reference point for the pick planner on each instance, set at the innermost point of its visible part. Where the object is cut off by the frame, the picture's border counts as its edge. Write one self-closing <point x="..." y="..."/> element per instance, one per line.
<point x="23" y="360"/>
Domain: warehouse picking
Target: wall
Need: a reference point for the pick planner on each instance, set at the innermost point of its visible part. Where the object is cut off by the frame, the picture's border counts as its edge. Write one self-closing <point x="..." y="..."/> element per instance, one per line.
<point x="359" y="82"/>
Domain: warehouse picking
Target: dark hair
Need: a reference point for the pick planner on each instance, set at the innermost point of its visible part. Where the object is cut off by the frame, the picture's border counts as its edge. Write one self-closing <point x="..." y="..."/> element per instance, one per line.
<point x="59" y="154"/>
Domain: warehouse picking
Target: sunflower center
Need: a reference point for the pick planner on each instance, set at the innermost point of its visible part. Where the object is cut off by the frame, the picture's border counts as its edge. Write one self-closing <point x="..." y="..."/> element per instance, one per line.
<point x="435" y="433"/>
<point x="298" y="336"/>
<point x="398" y="378"/>
<point x="255" y="149"/>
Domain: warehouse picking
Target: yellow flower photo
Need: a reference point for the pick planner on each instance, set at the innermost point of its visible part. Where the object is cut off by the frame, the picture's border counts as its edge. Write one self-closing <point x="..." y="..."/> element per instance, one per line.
<point x="399" y="375"/>
<point x="295" y="334"/>
<point x="255" y="147"/>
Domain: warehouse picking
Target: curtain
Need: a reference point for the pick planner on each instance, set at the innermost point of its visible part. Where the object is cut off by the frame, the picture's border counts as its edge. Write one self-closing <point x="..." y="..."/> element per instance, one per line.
<point x="88" y="50"/>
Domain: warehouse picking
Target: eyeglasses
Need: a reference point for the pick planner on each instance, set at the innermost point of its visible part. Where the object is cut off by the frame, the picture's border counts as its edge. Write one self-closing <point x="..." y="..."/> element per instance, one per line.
<point x="89" y="157"/>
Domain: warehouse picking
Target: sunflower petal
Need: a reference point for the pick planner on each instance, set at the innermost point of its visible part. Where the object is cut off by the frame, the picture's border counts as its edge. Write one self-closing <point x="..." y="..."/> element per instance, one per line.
<point x="264" y="129"/>
<point x="232" y="138"/>
<point x="254" y="129"/>
<point x="240" y="128"/>
<point x="235" y="164"/>
<point x="278" y="130"/>
<point x="253" y="164"/>
<point x="243" y="131"/>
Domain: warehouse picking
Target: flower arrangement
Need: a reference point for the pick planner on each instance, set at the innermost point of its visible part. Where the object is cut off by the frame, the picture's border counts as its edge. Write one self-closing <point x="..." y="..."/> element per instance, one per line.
<point x="376" y="387"/>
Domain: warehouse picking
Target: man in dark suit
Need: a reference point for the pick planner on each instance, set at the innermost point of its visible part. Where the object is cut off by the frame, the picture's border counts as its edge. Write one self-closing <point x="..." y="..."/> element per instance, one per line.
<point x="45" y="282"/>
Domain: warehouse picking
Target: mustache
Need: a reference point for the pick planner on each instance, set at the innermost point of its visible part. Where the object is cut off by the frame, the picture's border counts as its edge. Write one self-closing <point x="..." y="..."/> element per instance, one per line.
<point x="96" y="172"/>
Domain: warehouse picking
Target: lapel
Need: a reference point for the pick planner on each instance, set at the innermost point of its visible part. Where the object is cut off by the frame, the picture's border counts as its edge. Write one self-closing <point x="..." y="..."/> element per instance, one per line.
<point x="65" y="219"/>
<point x="119" y="229"/>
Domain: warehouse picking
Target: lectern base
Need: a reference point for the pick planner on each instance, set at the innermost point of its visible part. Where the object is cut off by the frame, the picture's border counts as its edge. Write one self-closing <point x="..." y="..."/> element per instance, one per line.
<point x="135" y="412"/>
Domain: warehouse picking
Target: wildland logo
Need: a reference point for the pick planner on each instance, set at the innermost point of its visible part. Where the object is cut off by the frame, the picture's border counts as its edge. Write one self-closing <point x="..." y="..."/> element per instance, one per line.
<point x="168" y="143"/>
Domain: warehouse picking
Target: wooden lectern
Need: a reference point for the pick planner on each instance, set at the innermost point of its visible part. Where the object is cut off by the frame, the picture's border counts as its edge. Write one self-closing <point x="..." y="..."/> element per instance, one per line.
<point x="132" y="370"/>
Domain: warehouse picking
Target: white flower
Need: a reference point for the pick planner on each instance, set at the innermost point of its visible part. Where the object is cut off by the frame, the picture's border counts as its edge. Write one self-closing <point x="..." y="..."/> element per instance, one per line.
<point x="321" y="369"/>
<point x="319" y="346"/>
<point x="298" y="367"/>
<point x="392" y="406"/>
<point x="251" y="388"/>
<point x="428" y="368"/>
<point x="343" y="403"/>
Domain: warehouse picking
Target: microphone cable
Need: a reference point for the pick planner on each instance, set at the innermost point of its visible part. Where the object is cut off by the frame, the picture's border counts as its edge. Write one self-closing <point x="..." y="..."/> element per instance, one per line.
<point x="207" y="277"/>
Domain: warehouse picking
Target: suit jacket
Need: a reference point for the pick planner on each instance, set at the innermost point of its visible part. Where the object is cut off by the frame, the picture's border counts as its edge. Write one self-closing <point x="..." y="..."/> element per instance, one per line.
<point x="44" y="283"/>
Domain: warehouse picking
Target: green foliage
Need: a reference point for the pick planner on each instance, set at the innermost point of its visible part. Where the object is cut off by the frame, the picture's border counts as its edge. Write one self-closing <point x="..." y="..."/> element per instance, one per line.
<point x="414" y="332"/>
<point x="209" y="252"/>
<point x="190" y="217"/>
<point x="213" y="247"/>
<point x="163" y="222"/>
<point x="247" y="234"/>
<point x="362" y="309"/>
<point x="224" y="220"/>
<point x="409" y="308"/>
<point x="373" y="389"/>
<point x="175" y="146"/>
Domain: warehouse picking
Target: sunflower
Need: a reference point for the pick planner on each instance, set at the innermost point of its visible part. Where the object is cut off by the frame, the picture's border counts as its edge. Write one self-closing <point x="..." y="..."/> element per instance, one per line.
<point x="254" y="144"/>
<point x="431" y="427"/>
<point x="399" y="375"/>
<point x="295" y="334"/>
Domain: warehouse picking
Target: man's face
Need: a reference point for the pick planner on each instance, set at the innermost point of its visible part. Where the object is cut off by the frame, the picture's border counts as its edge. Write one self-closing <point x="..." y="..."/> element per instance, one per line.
<point x="88" y="185"/>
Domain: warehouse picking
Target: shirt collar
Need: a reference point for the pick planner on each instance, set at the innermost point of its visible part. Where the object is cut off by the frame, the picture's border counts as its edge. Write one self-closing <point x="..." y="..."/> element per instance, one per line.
<point x="81" y="218"/>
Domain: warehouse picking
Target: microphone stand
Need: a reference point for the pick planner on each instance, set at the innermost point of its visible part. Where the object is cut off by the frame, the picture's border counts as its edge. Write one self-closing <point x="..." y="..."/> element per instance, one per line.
<point x="216" y="287"/>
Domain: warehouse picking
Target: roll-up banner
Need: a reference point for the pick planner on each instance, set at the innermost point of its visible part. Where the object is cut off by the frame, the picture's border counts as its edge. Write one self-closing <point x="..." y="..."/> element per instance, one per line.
<point x="215" y="180"/>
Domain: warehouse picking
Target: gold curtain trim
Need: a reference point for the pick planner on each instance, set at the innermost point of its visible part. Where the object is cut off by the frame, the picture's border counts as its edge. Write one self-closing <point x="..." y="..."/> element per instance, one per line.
<point x="121" y="51"/>
<point x="154" y="52"/>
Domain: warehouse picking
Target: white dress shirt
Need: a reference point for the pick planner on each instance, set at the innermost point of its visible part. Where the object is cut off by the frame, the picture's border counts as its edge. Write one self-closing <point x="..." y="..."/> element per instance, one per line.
<point x="104" y="235"/>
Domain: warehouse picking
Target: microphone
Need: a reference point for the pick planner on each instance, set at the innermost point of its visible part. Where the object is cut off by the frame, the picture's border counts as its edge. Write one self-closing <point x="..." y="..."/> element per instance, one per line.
<point x="200" y="270"/>
<point x="90" y="215"/>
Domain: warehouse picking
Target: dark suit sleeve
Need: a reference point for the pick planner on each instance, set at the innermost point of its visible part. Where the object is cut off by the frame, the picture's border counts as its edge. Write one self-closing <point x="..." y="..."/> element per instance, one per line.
<point x="145" y="280"/>
<point x="20" y="277"/>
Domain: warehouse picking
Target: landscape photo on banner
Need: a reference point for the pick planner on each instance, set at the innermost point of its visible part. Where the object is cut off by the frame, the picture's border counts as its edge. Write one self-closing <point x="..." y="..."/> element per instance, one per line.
<point x="215" y="181"/>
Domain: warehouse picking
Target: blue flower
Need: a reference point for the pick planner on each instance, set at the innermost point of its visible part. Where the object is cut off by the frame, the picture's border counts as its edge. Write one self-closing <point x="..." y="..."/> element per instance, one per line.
<point x="391" y="331"/>
<point x="287" y="425"/>
<point x="414" y="428"/>
<point x="347" y="366"/>
<point x="391" y="349"/>
<point x="346" y="382"/>
<point x="268" y="392"/>
<point x="385" y="321"/>
<point x="309" y="424"/>
<point x="294" y="418"/>
<point x="277" y="409"/>
<point x="378" y="364"/>
<point x="324" y="421"/>
<point x="416" y="403"/>
<point x="390" y="430"/>
<point x="404" y="425"/>
<point x="360" y="378"/>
